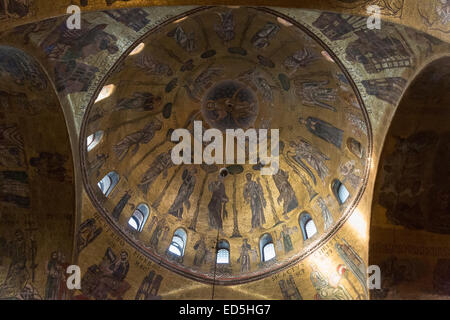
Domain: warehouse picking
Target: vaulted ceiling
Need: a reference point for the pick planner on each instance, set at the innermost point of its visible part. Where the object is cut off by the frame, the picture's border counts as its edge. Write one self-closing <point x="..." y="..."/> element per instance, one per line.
<point x="131" y="76"/>
<point x="229" y="69"/>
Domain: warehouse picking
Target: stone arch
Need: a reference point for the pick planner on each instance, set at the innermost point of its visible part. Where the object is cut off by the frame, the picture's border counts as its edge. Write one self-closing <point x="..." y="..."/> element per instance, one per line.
<point x="410" y="224"/>
<point x="37" y="183"/>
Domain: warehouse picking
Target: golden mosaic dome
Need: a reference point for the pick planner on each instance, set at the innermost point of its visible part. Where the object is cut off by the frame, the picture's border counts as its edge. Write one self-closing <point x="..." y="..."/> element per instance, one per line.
<point x="230" y="68"/>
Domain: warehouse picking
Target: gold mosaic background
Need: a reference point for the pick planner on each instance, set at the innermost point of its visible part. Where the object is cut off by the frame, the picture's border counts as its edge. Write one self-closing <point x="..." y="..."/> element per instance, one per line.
<point x="76" y="70"/>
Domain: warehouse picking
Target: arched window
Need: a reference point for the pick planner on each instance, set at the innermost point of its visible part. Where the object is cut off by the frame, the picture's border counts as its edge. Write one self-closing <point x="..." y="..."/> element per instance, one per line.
<point x="355" y="147"/>
<point x="178" y="242"/>
<point x="223" y="252"/>
<point x="307" y="225"/>
<point x="138" y="49"/>
<point x="284" y="22"/>
<point x="139" y="217"/>
<point x="267" y="249"/>
<point x="108" y="183"/>
<point x="340" y="191"/>
<point x="105" y="92"/>
<point x="310" y="228"/>
<point x="93" y="140"/>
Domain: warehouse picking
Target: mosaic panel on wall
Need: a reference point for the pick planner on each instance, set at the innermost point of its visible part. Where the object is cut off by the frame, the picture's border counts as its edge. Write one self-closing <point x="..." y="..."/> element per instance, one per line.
<point x="37" y="194"/>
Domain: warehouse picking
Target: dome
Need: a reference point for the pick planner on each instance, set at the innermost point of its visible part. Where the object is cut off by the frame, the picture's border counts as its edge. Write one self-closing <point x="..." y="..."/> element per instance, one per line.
<point x="226" y="68"/>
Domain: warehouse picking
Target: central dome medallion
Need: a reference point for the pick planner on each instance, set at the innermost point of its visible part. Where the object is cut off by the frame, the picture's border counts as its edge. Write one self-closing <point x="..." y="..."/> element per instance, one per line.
<point x="228" y="68"/>
<point x="230" y="104"/>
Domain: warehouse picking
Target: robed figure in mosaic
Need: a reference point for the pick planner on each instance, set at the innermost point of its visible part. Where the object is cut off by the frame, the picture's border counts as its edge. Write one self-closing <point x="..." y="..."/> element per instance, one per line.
<point x="159" y="166"/>
<point x="323" y="130"/>
<point x="253" y="194"/>
<point x="287" y="194"/>
<point x="134" y="140"/>
<point x="216" y="207"/>
<point x="18" y="274"/>
<point x="244" y="258"/>
<point x="184" y="193"/>
<point x="305" y="151"/>
<point x="201" y="252"/>
<point x="54" y="277"/>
